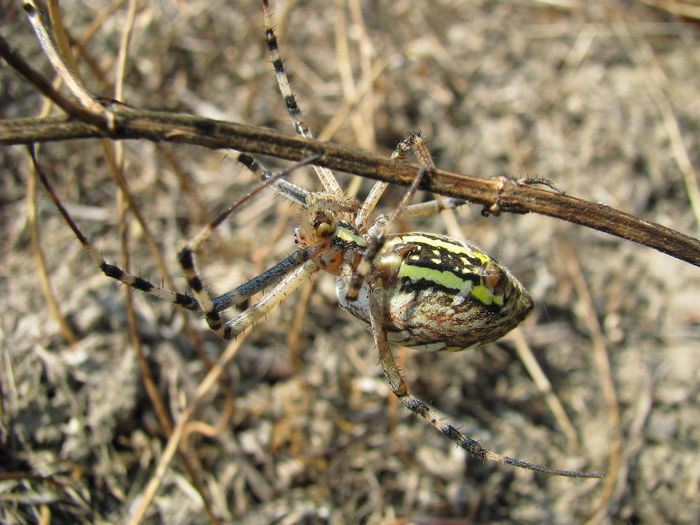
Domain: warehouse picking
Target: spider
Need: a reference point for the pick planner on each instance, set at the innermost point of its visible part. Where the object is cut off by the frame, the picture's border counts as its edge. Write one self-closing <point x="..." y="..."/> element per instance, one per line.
<point x="420" y="290"/>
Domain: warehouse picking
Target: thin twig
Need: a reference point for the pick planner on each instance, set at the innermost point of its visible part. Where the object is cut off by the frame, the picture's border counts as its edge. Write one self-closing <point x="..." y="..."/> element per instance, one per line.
<point x="602" y="363"/>
<point x="641" y="52"/>
<point x="494" y="194"/>
<point x="686" y="9"/>
<point x="545" y="386"/>
<point x="40" y="262"/>
<point x="212" y="378"/>
<point x="51" y="46"/>
<point x="497" y="193"/>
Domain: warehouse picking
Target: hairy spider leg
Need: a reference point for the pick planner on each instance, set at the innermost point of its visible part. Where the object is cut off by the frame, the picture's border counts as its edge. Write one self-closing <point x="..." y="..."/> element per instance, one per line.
<point x="330" y="184"/>
<point x="290" y="272"/>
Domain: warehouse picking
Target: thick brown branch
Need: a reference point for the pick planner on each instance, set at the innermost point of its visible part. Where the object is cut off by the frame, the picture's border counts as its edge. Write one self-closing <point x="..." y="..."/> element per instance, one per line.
<point x="503" y="194"/>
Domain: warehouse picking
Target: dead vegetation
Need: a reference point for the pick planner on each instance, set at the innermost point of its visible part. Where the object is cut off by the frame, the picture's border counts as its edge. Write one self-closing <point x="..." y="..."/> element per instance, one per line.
<point x="602" y="99"/>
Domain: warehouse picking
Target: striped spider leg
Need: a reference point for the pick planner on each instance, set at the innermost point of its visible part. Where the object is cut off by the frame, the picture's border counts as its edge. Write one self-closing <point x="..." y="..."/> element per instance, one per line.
<point x="291" y="270"/>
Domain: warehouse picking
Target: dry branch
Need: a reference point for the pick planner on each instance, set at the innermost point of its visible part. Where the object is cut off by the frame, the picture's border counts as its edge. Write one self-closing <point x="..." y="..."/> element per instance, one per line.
<point x="495" y="194"/>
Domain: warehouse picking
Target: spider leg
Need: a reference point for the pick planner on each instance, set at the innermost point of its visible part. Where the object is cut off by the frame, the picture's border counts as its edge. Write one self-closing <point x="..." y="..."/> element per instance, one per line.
<point x="378" y="239"/>
<point x="421" y="209"/>
<point x="286" y="188"/>
<point x="326" y="176"/>
<point x="412" y="142"/>
<point x="431" y="416"/>
<point x="211" y="307"/>
<point x="291" y="281"/>
<point x="257" y="284"/>
<point x="111" y="270"/>
<point x="433" y="207"/>
<point x="287" y="274"/>
<point x="370" y="203"/>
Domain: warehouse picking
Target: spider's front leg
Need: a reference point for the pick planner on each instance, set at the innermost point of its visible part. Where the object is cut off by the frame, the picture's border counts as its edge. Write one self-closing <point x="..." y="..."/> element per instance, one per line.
<point x="285" y="276"/>
<point x="111" y="270"/>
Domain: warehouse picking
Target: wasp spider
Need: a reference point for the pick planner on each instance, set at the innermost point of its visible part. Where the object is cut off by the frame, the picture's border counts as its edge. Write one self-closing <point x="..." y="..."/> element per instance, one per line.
<point x="420" y="290"/>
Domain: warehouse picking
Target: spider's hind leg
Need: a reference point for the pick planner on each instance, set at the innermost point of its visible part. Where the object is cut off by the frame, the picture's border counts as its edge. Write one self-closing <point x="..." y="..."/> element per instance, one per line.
<point x="378" y="232"/>
<point x="426" y="412"/>
<point x="325" y="175"/>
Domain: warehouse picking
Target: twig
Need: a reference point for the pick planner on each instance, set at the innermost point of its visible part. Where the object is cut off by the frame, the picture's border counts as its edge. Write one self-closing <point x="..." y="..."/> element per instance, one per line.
<point x="175" y="439"/>
<point x="686" y="9"/>
<point x="510" y="196"/>
<point x="602" y="362"/>
<point x="544" y="385"/>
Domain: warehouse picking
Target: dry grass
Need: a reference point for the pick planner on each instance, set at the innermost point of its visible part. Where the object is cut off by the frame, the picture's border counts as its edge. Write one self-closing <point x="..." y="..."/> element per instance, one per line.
<point x="601" y="98"/>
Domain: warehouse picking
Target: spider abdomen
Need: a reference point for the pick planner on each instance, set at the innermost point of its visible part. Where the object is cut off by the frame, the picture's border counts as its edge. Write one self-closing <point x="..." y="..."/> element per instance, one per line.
<point x="440" y="293"/>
